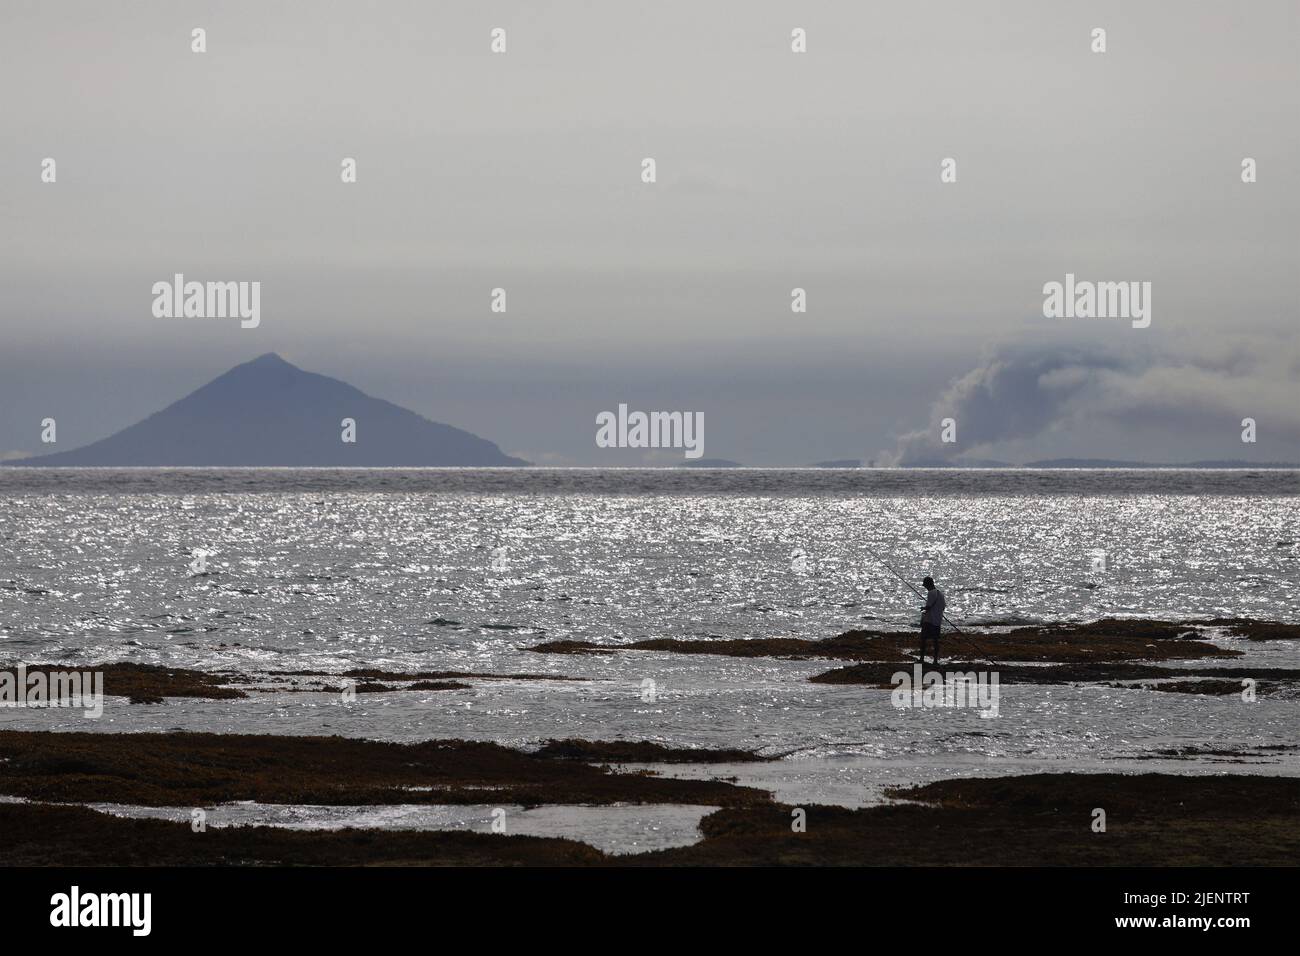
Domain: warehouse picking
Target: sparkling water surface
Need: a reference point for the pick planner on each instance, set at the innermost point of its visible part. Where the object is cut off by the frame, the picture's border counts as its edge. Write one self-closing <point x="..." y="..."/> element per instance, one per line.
<point x="465" y="569"/>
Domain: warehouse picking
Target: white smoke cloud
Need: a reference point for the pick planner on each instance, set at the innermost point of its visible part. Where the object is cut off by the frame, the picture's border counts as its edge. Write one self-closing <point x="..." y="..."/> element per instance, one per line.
<point x="1022" y="392"/>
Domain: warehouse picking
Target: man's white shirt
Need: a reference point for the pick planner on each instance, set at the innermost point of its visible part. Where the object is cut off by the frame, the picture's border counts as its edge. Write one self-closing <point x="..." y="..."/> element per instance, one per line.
<point x="934" y="605"/>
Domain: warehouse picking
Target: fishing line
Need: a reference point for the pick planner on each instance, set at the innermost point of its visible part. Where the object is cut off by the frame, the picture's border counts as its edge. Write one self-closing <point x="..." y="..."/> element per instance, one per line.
<point x="909" y="584"/>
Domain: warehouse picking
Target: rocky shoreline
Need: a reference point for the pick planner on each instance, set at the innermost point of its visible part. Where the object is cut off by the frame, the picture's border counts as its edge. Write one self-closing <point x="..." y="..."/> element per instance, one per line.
<point x="1113" y="652"/>
<point x="49" y="781"/>
<point x="1105" y="652"/>
<point x="202" y="769"/>
<point x="1033" y="820"/>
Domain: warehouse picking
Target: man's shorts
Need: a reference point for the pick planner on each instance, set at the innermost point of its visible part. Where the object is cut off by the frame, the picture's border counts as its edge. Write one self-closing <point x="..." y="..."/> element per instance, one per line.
<point x="930" y="630"/>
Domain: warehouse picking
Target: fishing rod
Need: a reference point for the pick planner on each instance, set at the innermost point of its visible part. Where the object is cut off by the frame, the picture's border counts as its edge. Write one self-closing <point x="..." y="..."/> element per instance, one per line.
<point x="908" y="583"/>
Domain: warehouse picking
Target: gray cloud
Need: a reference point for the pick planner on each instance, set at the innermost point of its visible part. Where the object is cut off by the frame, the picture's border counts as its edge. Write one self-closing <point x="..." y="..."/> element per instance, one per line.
<point x="1022" y="392"/>
<point x="521" y="171"/>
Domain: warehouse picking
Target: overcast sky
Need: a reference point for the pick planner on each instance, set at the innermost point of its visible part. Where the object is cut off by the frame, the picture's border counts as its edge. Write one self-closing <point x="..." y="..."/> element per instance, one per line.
<point x="775" y="170"/>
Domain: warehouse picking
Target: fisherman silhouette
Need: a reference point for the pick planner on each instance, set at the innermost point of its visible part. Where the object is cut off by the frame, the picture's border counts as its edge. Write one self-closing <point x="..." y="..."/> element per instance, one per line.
<point x="932" y="618"/>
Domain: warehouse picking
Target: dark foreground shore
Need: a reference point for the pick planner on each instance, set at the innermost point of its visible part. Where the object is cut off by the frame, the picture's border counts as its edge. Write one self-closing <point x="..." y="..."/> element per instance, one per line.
<point x="1038" y="820"/>
<point x="47" y="779"/>
<point x="1047" y="819"/>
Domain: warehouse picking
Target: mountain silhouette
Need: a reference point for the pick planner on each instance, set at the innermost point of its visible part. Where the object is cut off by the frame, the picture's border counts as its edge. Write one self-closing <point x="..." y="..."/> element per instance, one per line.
<point x="1112" y="463"/>
<point x="268" y="412"/>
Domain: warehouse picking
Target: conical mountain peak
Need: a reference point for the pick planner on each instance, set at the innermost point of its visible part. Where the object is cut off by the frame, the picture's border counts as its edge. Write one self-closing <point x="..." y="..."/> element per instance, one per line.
<point x="268" y="412"/>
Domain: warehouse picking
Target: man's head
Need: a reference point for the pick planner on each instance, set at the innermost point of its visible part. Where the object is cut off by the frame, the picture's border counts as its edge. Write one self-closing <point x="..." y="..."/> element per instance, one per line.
<point x="929" y="583"/>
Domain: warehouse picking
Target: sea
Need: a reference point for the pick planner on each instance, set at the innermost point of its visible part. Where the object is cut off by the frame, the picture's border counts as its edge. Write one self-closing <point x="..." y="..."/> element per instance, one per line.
<point x="265" y="570"/>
